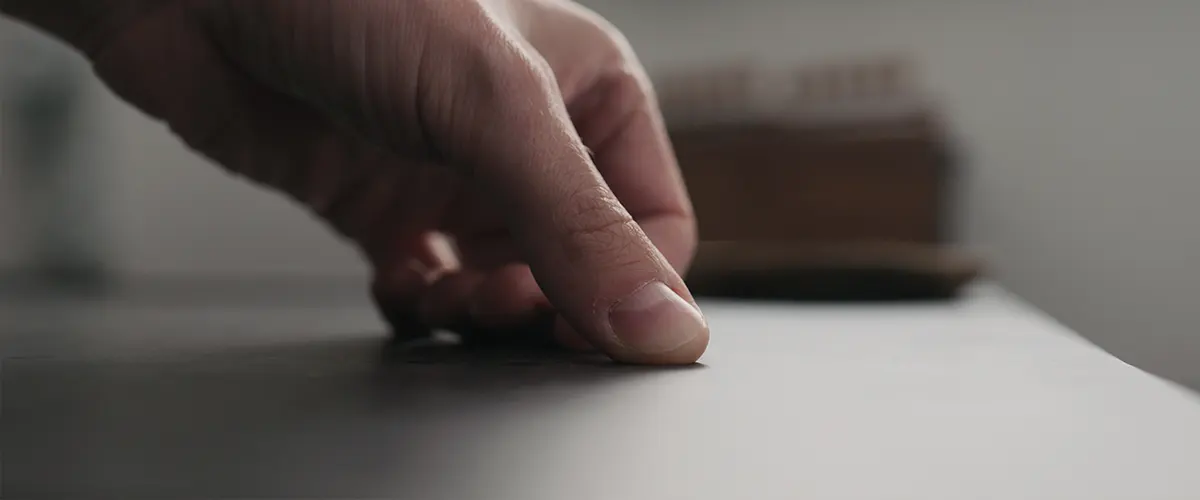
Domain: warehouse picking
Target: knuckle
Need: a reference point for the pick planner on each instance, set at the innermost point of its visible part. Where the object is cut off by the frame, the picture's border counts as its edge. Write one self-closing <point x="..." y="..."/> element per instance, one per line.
<point x="690" y="243"/>
<point x="604" y="35"/>
<point x="495" y="64"/>
<point x="610" y="46"/>
<point x="690" y="232"/>
<point x="631" y="92"/>
<point x="495" y="79"/>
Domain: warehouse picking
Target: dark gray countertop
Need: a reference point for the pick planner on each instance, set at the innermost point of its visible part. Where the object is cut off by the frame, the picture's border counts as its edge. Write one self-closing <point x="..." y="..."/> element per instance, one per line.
<point x="254" y="393"/>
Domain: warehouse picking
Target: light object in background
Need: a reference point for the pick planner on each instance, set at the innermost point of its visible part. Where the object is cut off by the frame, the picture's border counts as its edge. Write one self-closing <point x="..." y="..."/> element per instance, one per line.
<point x="55" y="186"/>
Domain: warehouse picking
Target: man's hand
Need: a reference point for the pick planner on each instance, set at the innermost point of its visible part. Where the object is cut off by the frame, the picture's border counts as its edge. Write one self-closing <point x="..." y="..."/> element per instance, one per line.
<point x="493" y="159"/>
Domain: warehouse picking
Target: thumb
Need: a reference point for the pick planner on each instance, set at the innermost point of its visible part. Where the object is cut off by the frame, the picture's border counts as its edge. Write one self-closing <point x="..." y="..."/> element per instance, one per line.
<point x="593" y="261"/>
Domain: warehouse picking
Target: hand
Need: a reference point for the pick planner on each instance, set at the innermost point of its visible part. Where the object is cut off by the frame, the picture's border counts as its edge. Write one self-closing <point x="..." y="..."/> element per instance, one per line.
<point x="492" y="159"/>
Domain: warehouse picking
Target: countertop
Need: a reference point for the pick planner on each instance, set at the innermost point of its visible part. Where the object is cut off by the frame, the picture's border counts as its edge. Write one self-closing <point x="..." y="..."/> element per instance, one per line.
<point x="251" y="393"/>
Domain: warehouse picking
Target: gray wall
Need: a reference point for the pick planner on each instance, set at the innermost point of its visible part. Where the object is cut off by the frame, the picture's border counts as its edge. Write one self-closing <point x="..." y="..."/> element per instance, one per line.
<point x="8" y="240"/>
<point x="166" y="210"/>
<point x="1080" y="116"/>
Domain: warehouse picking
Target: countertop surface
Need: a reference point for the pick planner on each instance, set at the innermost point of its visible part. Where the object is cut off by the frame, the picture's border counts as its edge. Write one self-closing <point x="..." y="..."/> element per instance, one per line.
<point x="257" y="394"/>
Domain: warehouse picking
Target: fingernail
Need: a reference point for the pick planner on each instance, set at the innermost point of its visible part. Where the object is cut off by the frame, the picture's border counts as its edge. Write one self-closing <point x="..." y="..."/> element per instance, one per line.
<point x="654" y="319"/>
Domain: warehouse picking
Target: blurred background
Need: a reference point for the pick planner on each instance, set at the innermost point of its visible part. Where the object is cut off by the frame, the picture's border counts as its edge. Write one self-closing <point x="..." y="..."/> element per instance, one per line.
<point x="1055" y="144"/>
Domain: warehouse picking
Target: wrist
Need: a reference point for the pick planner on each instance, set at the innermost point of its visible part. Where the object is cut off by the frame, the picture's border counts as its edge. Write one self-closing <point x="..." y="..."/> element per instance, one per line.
<point x="84" y="24"/>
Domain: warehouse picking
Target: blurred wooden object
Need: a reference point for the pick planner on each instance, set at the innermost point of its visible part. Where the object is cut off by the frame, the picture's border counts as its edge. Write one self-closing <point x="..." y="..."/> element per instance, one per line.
<point x="823" y="181"/>
<point x="830" y="272"/>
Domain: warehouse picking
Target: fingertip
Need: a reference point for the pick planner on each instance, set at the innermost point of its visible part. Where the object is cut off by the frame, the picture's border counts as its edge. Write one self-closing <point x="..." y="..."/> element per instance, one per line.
<point x="395" y="293"/>
<point x="686" y="354"/>
<point x="656" y="325"/>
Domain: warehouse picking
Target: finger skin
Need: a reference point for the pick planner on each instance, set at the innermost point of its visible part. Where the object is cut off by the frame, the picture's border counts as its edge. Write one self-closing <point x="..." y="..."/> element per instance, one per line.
<point x="586" y="250"/>
<point x="446" y="303"/>
<point x="566" y="336"/>
<point x="400" y="282"/>
<point x="508" y="297"/>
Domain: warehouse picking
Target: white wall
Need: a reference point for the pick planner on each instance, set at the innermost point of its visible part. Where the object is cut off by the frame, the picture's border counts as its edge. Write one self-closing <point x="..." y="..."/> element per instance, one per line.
<point x="1080" y="117"/>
